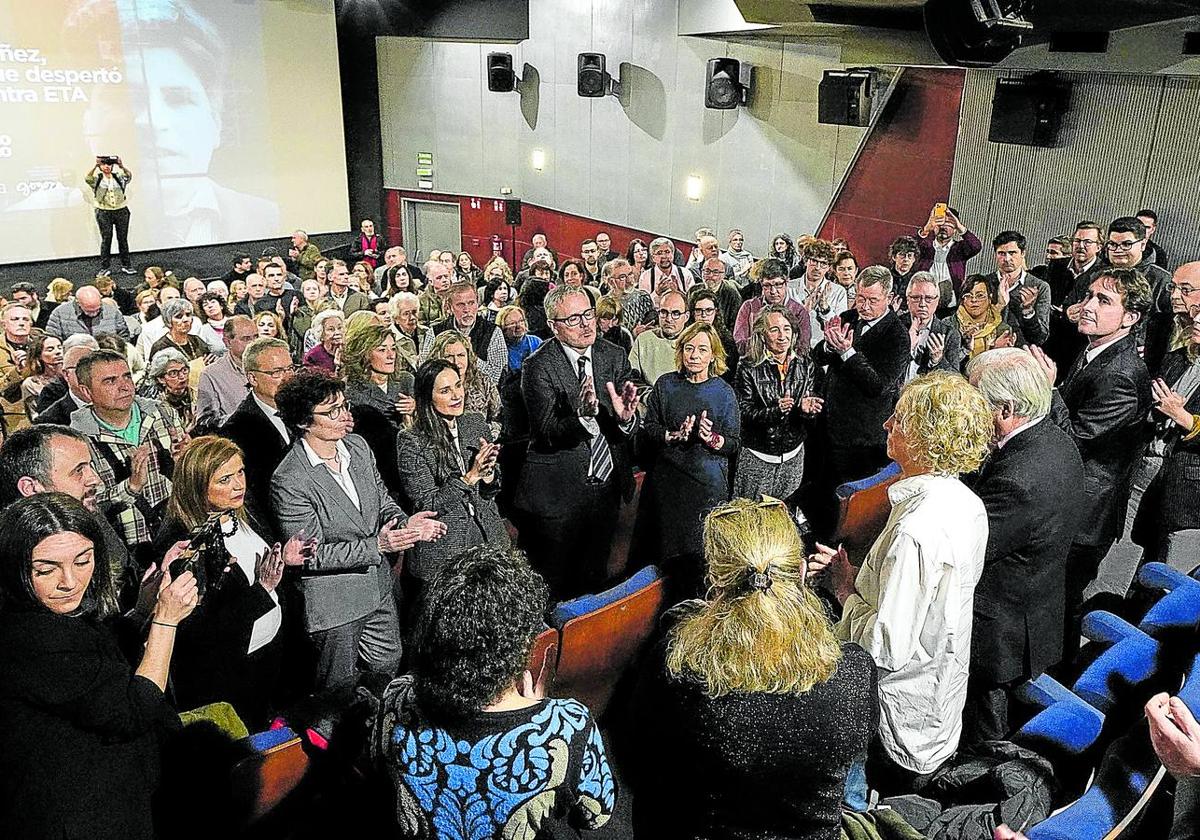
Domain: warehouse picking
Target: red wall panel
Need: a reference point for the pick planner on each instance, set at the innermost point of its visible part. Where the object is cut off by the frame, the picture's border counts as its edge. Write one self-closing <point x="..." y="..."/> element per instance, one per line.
<point x="483" y="218"/>
<point x="905" y="166"/>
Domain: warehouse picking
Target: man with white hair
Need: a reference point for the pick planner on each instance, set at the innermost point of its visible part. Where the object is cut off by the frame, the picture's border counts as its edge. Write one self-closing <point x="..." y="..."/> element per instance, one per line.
<point x="1033" y="490"/>
<point x="59" y="411"/>
<point x="707" y="248"/>
<point x="88" y="313"/>
<point x="303" y="255"/>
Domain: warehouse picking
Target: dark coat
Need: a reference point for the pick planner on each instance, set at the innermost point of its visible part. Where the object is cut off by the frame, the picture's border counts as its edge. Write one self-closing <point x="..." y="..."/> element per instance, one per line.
<point x="1172" y="502"/>
<point x="59" y="412"/>
<point x="211" y="662"/>
<point x="759" y="389"/>
<point x="469" y="512"/>
<point x="952" y="354"/>
<point x="262" y="450"/>
<point x="559" y="450"/>
<point x="1033" y="490"/>
<point x="376" y="422"/>
<point x="74" y="717"/>
<point x="861" y="391"/>
<point x="1106" y="405"/>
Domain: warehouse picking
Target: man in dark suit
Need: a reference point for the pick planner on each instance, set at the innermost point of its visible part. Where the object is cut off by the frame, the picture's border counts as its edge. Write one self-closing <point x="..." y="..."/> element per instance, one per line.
<point x="1106" y="397"/>
<point x="255" y="425"/>
<point x="59" y="412"/>
<point x="867" y="352"/>
<point x="1028" y="296"/>
<point x="1032" y="488"/>
<point x="933" y="345"/>
<point x="582" y="408"/>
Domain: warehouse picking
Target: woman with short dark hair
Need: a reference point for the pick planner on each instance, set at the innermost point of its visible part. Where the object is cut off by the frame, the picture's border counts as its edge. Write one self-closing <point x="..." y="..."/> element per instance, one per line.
<point x="468" y="737"/>
<point x="79" y="730"/>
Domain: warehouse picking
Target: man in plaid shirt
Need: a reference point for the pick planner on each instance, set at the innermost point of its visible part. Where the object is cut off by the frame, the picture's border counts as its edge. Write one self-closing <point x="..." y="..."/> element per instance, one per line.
<point x="134" y="443"/>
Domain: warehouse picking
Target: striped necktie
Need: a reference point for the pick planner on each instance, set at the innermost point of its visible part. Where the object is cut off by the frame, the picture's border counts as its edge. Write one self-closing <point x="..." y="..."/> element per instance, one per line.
<point x="600" y="463"/>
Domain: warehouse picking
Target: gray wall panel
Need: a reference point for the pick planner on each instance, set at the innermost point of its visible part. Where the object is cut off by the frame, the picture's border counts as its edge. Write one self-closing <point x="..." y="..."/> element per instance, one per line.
<point x="1127" y="141"/>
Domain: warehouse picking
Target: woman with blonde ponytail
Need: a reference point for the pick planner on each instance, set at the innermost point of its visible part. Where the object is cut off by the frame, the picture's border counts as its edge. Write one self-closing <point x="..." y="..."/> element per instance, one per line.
<point x="751" y="712"/>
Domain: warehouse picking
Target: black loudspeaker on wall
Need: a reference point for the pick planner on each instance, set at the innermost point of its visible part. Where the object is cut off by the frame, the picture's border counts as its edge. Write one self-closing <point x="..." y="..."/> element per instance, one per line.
<point x="727" y="83"/>
<point x="500" y="75"/>
<point x="1030" y="110"/>
<point x="593" y="77"/>
<point x="844" y="97"/>
<point x="512" y="212"/>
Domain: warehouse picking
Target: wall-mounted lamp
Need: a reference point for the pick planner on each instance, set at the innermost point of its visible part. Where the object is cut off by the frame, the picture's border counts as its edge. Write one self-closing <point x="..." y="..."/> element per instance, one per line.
<point x="695" y="187"/>
<point x="538" y="159"/>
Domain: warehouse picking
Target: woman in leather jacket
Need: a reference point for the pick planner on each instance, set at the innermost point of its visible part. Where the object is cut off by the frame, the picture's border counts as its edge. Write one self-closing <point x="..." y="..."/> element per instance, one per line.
<point x="775" y="387"/>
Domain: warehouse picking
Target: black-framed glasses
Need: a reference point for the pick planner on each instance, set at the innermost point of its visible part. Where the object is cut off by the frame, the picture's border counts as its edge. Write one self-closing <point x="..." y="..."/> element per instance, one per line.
<point x="671" y="313"/>
<point x="775" y="284"/>
<point x="175" y="373"/>
<point x="704" y="310"/>
<point x="578" y="318"/>
<point x="1122" y="246"/>
<point x="336" y="412"/>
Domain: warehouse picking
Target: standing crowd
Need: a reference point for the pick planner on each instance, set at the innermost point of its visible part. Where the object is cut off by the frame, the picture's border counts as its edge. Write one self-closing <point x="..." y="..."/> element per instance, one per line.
<point x="314" y="474"/>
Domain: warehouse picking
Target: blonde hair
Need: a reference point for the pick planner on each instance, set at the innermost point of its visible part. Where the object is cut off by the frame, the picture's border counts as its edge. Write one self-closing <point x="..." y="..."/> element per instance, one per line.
<point x="946" y="422"/>
<point x="717" y="366"/>
<point x="761" y="629"/>
<point x="360" y="343"/>
<point x="60" y="289"/>
<point x="279" y="330"/>
<point x="202" y="457"/>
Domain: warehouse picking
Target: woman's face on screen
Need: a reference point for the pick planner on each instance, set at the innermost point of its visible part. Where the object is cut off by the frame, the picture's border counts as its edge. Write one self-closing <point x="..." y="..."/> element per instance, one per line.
<point x="178" y="111"/>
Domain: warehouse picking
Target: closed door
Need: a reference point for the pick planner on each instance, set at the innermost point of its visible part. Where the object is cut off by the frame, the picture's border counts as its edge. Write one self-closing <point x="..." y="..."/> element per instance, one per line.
<point x="430" y="225"/>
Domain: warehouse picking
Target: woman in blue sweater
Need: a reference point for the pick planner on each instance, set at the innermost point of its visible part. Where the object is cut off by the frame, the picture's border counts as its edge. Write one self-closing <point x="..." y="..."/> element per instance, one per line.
<point x="693" y="427"/>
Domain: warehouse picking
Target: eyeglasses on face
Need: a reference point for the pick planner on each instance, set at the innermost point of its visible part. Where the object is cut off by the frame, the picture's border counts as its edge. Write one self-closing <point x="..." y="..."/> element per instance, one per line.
<point x="774" y="284"/>
<point x="1121" y="246"/>
<point x="335" y="412"/>
<point x="923" y="298"/>
<point x="670" y="313"/>
<point x="815" y="261"/>
<point x="704" y="311"/>
<point x="273" y="372"/>
<point x="1089" y="243"/>
<point x="1182" y="289"/>
<point x="175" y="373"/>
<point x="578" y="318"/>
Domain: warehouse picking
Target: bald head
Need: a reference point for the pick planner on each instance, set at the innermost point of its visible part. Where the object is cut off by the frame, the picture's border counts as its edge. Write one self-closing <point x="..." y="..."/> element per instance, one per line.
<point x="1185" y="291"/>
<point x="88" y="298"/>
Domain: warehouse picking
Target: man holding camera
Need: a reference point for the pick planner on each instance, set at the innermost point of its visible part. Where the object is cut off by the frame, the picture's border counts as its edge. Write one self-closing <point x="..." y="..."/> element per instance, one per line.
<point x="109" y="181"/>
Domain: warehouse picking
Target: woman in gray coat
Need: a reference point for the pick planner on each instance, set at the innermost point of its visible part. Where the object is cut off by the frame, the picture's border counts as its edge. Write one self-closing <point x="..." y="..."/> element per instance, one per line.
<point x="447" y="464"/>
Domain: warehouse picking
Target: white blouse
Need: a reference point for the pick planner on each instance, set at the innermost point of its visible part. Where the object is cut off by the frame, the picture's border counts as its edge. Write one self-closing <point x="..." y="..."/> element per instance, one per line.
<point x="245" y="546"/>
<point x="912" y="611"/>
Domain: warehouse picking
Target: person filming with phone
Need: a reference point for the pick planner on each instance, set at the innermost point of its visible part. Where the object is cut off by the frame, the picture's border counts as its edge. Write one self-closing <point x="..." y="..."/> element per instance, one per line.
<point x="109" y="182"/>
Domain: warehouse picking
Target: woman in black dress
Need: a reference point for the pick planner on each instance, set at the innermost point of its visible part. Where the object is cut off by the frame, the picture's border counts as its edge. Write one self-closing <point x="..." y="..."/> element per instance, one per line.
<point x="750" y="712"/>
<point x="79" y="729"/>
<point x="230" y="649"/>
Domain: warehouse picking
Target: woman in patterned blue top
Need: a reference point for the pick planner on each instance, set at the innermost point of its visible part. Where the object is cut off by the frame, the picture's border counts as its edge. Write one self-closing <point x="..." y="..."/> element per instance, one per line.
<point x="473" y="747"/>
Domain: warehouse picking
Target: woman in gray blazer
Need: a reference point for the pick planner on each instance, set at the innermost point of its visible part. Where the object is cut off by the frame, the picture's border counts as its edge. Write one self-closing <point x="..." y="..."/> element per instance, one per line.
<point x="328" y="487"/>
<point x="447" y="464"/>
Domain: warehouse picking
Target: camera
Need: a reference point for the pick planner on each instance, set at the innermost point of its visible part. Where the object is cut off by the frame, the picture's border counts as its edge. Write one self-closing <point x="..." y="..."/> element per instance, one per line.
<point x="206" y="556"/>
<point x="108" y="159"/>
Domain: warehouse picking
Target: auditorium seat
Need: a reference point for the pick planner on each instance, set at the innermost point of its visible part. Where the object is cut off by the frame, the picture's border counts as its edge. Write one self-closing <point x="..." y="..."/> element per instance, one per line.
<point x="1127" y="779"/>
<point x="601" y="636"/>
<point x="543" y="657"/>
<point x="1066" y="728"/>
<point x="863" y="510"/>
<point x="1129" y="671"/>
<point x="262" y="781"/>
<point x="1176" y="611"/>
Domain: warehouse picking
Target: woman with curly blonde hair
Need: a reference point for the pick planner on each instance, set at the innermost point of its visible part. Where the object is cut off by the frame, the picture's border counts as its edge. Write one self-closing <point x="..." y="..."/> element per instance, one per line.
<point x="910" y="605"/>
<point x="751" y="712"/>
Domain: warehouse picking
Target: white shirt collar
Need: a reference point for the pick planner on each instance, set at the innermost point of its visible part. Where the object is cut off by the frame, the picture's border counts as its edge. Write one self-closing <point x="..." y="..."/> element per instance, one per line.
<point x="1023" y="428"/>
<point x="316" y="460"/>
<point x="1093" y="352"/>
<point x="575" y="355"/>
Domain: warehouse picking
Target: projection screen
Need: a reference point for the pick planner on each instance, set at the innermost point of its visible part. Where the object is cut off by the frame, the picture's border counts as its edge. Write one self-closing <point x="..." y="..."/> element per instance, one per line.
<point x="227" y="113"/>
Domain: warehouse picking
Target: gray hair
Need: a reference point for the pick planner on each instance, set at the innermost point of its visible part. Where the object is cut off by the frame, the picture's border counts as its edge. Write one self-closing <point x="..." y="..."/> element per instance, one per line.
<point x="318" y="321"/>
<point x="402" y="297"/>
<point x="173" y="308"/>
<point x="876" y="275"/>
<point x="659" y="241"/>
<point x="557" y="297"/>
<point x="259" y="346"/>
<point x="757" y="351"/>
<point x="703" y="232"/>
<point x="609" y="267"/>
<point x="922" y="277"/>
<point x="164" y="357"/>
<point x="1007" y="376"/>
<point x="80" y="340"/>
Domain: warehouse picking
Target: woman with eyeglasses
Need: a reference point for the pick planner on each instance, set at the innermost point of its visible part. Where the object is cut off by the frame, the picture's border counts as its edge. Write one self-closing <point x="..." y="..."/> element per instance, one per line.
<point x="751" y="712"/>
<point x="982" y="320"/>
<point x="693" y="428"/>
<point x="166" y="379"/>
<point x="231" y="647"/>
<point x="328" y="488"/>
<point x="80" y="730"/>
